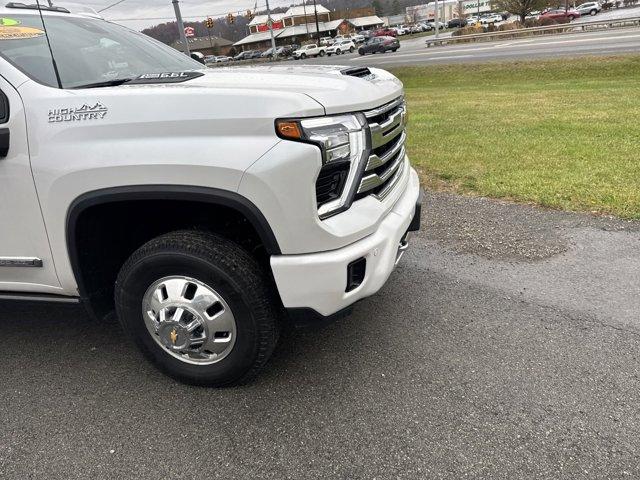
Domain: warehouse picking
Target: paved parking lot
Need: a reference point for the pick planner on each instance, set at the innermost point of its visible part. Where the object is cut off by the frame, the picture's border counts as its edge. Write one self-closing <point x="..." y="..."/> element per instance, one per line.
<point x="506" y="345"/>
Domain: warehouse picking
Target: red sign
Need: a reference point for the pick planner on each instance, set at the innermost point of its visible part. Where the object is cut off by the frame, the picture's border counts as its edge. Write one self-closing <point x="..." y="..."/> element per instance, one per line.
<point x="276" y="26"/>
<point x="189" y="32"/>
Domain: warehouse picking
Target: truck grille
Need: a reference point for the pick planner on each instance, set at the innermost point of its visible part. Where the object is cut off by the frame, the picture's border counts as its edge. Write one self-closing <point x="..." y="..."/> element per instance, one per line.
<point x="386" y="162"/>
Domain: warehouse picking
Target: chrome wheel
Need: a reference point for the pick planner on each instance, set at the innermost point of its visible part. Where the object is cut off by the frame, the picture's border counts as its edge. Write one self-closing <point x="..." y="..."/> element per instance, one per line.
<point x="189" y="319"/>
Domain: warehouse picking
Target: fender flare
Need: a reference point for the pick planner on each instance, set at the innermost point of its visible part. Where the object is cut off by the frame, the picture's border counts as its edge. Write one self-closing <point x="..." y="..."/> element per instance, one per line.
<point x="212" y="196"/>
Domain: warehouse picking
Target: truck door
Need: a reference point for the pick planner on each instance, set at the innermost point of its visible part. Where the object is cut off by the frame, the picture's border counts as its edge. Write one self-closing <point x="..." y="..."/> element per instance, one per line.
<point x="25" y="257"/>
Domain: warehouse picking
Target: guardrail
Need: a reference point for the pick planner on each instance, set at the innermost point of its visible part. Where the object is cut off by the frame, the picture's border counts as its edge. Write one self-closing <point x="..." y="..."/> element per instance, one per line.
<point x="525" y="32"/>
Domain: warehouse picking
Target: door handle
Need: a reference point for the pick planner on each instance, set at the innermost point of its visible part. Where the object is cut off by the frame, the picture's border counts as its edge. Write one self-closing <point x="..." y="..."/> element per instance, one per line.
<point x="4" y="142"/>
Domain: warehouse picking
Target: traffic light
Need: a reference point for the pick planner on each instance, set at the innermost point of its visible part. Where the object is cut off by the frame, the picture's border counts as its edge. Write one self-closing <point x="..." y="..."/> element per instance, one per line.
<point x="231" y="19"/>
<point x="208" y="23"/>
<point x="250" y="15"/>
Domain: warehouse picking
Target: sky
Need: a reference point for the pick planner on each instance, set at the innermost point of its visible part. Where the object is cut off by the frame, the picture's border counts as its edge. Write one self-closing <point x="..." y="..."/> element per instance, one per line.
<point x="141" y="10"/>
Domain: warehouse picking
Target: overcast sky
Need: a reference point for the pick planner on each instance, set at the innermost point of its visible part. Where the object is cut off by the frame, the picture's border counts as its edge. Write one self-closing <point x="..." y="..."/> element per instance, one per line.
<point x="198" y="9"/>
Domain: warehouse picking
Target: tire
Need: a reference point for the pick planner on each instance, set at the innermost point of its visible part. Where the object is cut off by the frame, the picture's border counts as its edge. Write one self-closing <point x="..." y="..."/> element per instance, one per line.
<point x="338" y="52"/>
<point x="328" y="54"/>
<point x="244" y="304"/>
<point x="351" y="49"/>
<point x="593" y="12"/>
<point x="394" y="50"/>
<point x="361" y="52"/>
<point x="321" y="54"/>
<point x="303" y="56"/>
<point x="571" y="18"/>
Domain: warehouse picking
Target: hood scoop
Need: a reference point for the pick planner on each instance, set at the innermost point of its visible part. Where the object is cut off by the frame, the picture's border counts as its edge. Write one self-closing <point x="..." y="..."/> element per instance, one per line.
<point x="360" y="72"/>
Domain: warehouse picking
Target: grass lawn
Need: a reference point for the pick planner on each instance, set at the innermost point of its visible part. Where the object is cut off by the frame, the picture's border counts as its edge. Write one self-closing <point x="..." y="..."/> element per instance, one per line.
<point x="562" y="133"/>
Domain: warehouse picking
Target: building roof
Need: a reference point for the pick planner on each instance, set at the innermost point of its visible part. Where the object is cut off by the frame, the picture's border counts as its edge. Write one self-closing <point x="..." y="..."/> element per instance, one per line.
<point x="260" y="37"/>
<point x="300" y="11"/>
<point x="366" y="21"/>
<point x="262" y="19"/>
<point x="203" y="42"/>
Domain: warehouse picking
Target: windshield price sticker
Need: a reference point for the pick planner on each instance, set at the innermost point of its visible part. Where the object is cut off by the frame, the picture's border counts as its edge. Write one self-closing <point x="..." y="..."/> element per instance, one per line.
<point x="9" y="22"/>
<point x="19" y="33"/>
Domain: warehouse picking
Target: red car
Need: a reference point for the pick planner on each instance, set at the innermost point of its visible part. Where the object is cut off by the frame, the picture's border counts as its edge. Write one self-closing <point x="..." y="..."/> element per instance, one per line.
<point x="385" y="32"/>
<point x="561" y="14"/>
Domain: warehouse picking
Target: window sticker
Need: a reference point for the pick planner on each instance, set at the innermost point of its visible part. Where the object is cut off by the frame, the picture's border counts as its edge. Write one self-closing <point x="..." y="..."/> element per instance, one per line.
<point x="9" y="22"/>
<point x="19" y="33"/>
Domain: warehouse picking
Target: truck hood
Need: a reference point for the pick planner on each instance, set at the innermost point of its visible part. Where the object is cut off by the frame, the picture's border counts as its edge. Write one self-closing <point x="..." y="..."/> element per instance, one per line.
<point x="336" y="90"/>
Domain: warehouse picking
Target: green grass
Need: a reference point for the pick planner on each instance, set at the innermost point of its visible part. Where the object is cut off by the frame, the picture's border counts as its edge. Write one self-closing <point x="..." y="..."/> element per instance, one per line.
<point x="562" y="134"/>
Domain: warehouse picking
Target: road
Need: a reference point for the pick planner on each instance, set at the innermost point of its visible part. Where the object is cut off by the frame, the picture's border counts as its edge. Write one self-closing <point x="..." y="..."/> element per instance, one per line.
<point x="415" y="52"/>
<point x="505" y="345"/>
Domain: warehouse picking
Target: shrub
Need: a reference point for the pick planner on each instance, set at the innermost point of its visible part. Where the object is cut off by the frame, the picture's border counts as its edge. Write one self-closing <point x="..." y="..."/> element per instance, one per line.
<point x="509" y="26"/>
<point x="469" y="30"/>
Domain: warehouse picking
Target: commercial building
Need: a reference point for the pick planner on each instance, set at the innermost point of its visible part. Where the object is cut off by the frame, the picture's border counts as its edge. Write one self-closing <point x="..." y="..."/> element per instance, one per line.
<point x="447" y="9"/>
<point x="206" y="45"/>
<point x="298" y="24"/>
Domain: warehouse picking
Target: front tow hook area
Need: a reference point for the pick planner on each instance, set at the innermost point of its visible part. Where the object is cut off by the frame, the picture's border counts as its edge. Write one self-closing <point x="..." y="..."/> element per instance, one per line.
<point x="404" y="245"/>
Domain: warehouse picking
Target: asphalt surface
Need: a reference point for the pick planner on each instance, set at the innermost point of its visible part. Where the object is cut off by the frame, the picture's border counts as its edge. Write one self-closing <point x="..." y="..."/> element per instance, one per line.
<point x="505" y="345"/>
<point x="415" y="51"/>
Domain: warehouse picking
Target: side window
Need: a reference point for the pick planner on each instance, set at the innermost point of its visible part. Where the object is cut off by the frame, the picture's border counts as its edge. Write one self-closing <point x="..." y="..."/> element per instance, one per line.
<point x="4" y="108"/>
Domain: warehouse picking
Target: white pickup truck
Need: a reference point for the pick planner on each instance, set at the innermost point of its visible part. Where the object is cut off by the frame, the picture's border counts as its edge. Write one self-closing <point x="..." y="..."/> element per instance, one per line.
<point x="307" y="51"/>
<point x="206" y="208"/>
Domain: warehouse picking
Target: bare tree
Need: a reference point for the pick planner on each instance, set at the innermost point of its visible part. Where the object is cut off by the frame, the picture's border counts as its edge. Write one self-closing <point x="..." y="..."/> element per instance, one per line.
<point x="521" y="8"/>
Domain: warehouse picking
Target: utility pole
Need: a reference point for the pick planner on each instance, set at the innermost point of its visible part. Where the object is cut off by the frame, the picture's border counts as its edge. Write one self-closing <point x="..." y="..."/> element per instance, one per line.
<point x="315" y="9"/>
<point x="50" y="3"/>
<point x="436" y="20"/>
<point x="306" y="22"/>
<point x="183" y="36"/>
<point x="273" y="39"/>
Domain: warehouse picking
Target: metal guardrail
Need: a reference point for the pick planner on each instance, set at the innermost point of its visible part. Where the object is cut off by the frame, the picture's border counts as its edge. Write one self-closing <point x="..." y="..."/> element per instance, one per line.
<point x="525" y="32"/>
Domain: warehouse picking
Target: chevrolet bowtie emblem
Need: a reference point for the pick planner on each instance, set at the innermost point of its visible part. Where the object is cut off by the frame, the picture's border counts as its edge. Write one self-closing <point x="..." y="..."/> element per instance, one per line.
<point x="173" y="336"/>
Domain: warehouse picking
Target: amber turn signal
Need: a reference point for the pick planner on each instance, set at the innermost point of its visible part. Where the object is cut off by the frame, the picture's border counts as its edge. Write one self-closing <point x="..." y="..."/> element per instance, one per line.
<point x="288" y="129"/>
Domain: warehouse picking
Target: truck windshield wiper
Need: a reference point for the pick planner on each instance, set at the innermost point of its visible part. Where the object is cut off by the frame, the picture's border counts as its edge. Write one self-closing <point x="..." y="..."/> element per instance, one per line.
<point x="108" y="83"/>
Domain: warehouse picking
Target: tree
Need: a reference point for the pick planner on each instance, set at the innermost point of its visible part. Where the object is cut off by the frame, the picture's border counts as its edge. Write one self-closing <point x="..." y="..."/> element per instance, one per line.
<point x="377" y="6"/>
<point x="521" y="8"/>
<point x="396" y="9"/>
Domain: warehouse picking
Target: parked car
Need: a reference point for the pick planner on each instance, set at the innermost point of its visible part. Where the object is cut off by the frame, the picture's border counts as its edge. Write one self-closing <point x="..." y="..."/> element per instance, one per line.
<point x="472" y="20"/>
<point x="312" y="50"/>
<point x="285" y="51"/>
<point x="380" y="45"/>
<point x="247" y="54"/>
<point x="343" y="46"/>
<point x="268" y="53"/>
<point x="456" y="23"/>
<point x="589" y="8"/>
<point x="441" y="25"/>
<point x="326" y="41"/>
<point x="491" y="18"/>
<point x="425" y="27"/>
<point x="401" y="30"/>
<point x="561" y="14"/>
<point x="413" y="29"/>
<point x="223" y="59"/>
<point x="386" y="32"/>
<point x="358" y="38"/>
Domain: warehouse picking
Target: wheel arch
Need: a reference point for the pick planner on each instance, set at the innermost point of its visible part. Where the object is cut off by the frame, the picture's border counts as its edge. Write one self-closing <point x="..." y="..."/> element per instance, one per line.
<point x="125" y="195"/>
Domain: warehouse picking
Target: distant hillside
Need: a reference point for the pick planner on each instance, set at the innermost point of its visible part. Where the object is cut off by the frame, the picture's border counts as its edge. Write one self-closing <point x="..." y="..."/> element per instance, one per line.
<point x="168" y="32"/>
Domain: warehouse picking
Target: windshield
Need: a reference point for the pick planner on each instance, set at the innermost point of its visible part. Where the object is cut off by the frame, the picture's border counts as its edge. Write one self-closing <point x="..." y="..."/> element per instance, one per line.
<point x="87" y="51"/>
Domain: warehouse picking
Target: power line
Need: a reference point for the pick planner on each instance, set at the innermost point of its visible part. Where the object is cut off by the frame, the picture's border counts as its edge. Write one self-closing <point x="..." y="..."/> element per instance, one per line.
<point x="111" y="6"/>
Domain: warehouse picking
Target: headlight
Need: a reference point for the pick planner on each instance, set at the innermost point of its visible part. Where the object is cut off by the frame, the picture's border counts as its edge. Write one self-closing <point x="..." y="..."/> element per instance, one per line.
<point x="342" y="139"/>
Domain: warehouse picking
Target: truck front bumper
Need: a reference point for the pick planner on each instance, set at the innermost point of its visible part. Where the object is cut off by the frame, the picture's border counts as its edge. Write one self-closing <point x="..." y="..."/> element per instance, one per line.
<point x="322" y="284"/>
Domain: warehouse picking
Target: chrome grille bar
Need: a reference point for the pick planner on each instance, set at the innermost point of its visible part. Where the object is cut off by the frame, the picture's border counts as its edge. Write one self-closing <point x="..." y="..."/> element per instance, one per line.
<point x="375" y="161"/>
<point x="371" y="181"/>
<point x="381" y="134"/>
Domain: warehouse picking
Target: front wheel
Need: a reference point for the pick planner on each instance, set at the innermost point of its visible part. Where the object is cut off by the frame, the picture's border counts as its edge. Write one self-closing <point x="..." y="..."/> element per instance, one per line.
<point x="199" y="307"/>
<point x="351" y="49"/>
<point x="593" y="12"/>
<point x="361" y="51"/>
<point x="321" y="54"/>
<point x="571" y="18"/>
